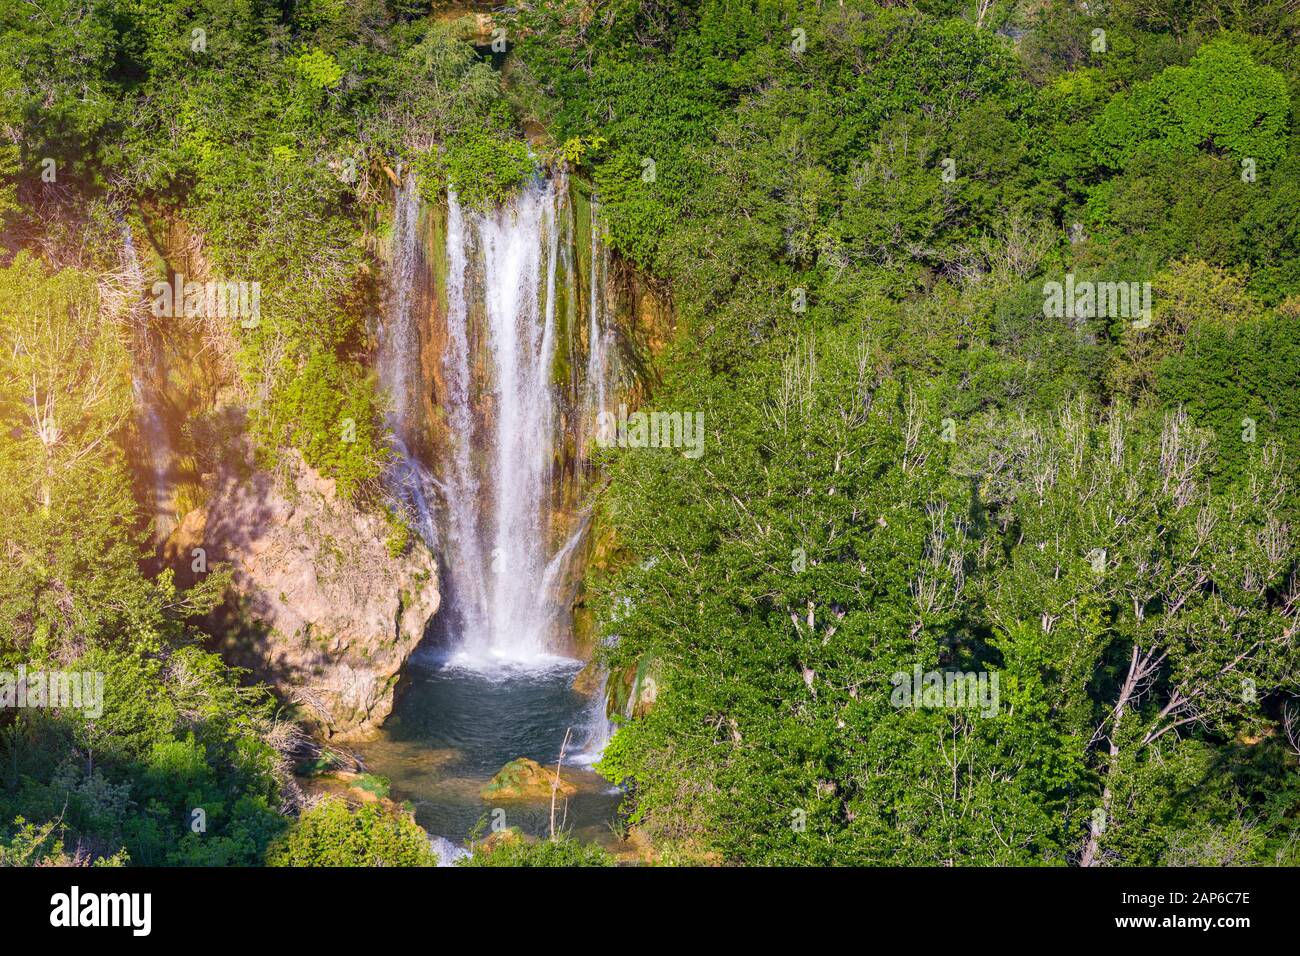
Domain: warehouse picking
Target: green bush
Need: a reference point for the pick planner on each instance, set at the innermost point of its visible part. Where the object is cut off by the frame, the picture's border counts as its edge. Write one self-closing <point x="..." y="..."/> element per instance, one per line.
<point x="399" y="532"/>
<point x="329" y="411"/>
<point x="484" y="169"/>
<point x="181" y="774"/>
<point x="1243" y="381"/>
<point x="319" y="68"/>
<point x="1223" y="100"/>
<point x="561" y="852"/>
<point x="333" y="834"/>
<point x="26" y="844"/>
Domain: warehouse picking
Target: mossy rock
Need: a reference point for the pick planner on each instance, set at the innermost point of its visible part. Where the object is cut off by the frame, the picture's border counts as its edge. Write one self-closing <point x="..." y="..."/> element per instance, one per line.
<point x="525" y="779"/>
<point x="373" y="783"/>
<point x="589" y="680"/>
<point x="584" y="632"/>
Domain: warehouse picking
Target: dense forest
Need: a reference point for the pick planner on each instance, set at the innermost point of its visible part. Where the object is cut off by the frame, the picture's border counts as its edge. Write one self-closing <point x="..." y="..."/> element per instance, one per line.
<point x="988" y="310"/>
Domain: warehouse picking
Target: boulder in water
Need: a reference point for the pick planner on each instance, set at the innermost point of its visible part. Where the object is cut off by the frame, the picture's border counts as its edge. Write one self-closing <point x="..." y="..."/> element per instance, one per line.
<point x="590" y="680"/>
<point x="525" y="779"/>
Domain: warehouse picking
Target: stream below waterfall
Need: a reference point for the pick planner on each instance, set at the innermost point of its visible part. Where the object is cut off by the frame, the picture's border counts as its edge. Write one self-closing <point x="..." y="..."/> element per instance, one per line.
<point x="454" y="727"/>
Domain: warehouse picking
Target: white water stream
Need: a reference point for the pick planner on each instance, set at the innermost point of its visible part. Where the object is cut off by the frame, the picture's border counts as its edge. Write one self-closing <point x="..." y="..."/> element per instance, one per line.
<point x="507" y="270"/>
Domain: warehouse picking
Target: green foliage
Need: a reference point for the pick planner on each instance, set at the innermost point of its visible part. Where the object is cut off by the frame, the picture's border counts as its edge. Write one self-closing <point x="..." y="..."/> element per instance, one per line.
<point x="399" y="532"/>
<point x="707" y="128"/>
<point x="1223" y="100"/>
<point x="762" y="577"/>
<point x="1242" y="380"/>
<point x="71" y="523"/>
<point x="176" y="732"/>
<point x="914" y="467"/>
<point x="58" y="86"/>
<point x="333" y="834"/>
<point x="580" y="150"/>
<point x="66" y="496"/>
<point x="26" y="844"/>
<point x="563" y="851"/>
<point x="484" y="170"/>
<point x="177" y="735"/>
<point x="319" y="68"/>
<point x="329" y="411"/>
<point x="1187" y="294"/>
<point x="1179" y="585"/>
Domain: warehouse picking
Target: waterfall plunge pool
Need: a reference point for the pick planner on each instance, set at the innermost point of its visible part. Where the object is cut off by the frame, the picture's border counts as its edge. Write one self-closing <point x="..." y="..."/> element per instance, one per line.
<point x="457" y="722"/>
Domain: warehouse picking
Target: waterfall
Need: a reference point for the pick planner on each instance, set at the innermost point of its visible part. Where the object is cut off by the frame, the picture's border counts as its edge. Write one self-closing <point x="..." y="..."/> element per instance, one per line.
<point x="505" y="415"/>
<point x="399" y="365"/>
<point x="448" y="853"/>
<point x="598" y="728"/>
<point x="147" y="374"/>
<point x="497" y="552"/>
<point x="497" y="352"/>
<point x="399" y="352"/>
<point x="597" y="373"/>
<point x="460" y="480"/>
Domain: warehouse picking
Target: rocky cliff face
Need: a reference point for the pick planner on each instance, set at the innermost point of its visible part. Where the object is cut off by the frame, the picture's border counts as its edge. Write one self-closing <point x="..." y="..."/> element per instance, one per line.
<point x="319" y="608"/>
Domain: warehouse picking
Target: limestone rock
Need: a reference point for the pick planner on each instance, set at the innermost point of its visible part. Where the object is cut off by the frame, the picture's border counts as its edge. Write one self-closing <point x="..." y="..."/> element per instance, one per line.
<point x="319" y="609"/>
<point x="525" y="779"/>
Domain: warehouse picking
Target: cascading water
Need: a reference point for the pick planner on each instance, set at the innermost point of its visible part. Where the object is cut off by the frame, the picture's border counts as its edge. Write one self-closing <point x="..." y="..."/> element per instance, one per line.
<point x="497" y="476"/>
<point x="147" y="371"/>
<point x="597" y="353"/>
<point x="461" y="487"/>
<point x="493" y="384"/>
<point x="517" y="432"/>
<point x="491" y="461"/>
<point x="399" y="364"/>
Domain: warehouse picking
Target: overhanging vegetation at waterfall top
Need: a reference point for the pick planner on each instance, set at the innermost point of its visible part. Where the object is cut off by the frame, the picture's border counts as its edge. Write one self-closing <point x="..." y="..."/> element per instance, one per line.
<point x="482" y="169"/>
<point x="908" y="460"/>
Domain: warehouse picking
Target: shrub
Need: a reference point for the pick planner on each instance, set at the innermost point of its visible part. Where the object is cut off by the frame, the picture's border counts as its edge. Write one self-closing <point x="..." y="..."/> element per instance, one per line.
<point x="319" y="68"/>
<point x="561" y="852"/>
<point x="333" y="834"/>
<point x="329" y="412"/>
<point x="1222" y="100"/>
<point x="484" y="169"/>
